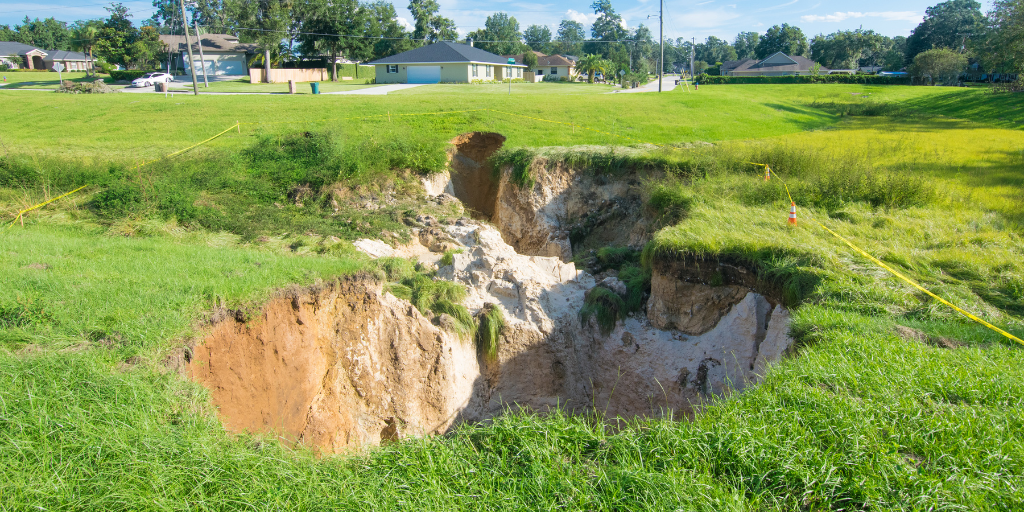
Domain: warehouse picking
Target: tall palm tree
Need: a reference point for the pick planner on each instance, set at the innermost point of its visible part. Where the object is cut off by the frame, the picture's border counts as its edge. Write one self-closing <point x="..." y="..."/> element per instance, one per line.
<point x="85" y="38"/>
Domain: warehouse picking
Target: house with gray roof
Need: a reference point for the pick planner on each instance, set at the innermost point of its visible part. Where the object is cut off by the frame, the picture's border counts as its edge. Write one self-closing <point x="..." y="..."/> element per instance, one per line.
<point x="777" y="64"/>
<point x="24" y="56"/>
<point x="222" y="54"/>
<point x="445" y="62"/>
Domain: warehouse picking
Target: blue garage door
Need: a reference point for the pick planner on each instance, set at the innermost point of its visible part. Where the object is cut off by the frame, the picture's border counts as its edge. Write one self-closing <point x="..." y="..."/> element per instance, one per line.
<point x="423" y="74"/>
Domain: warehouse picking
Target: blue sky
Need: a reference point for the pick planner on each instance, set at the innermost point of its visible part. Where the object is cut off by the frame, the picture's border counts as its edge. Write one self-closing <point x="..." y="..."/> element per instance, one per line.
<point x="697" y="18"/>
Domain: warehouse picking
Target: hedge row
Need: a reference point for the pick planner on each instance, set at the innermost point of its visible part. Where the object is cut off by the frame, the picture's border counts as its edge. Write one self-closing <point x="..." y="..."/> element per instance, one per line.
<point x="128" y="75"/>
<point x="802" y="79"/>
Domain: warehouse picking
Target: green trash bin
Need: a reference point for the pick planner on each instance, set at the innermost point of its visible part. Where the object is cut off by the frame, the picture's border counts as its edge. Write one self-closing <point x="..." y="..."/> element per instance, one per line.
<point x="315" y="86"/>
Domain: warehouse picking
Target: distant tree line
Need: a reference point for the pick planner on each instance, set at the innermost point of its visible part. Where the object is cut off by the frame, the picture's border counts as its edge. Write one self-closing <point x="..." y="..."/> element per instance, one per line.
<point x="954" y="31"/>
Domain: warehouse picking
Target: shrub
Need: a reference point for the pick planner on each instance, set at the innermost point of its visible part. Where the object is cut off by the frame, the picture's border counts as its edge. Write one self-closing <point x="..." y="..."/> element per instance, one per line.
<point x="604" y="305"/>
<point x="706" y="79"/>
<point x="671" y="202"/>
<point x="520" y="160"/>
<point x="128" y="75"/>
<point x="118" y="200"/>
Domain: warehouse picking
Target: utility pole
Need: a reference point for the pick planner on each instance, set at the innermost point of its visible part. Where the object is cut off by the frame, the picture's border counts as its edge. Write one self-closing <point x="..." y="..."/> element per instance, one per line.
<point x="661" y="37"/>
<point x="188" y="44"/>
<point x="693" y="43"/>
<point x="202" y="58"/>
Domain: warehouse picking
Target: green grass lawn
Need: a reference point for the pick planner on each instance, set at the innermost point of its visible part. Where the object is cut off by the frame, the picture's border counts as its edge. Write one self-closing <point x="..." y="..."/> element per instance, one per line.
<point x="99" y="286"/>
<point x="243" y="85"/>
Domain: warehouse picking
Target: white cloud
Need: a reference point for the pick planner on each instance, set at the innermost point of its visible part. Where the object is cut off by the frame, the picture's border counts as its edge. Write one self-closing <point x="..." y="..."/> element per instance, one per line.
<point x="708" y="2"/>
<point x="842" y="16"/>
<point x="404" y="23"/>
<point x="581" y="17"/>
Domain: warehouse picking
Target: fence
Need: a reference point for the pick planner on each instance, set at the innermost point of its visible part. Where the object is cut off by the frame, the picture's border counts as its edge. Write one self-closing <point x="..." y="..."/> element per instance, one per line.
<point x="258" y="75"/>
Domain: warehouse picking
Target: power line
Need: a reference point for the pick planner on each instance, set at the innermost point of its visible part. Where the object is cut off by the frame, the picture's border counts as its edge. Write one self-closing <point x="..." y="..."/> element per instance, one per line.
<point x="392" y="38"/>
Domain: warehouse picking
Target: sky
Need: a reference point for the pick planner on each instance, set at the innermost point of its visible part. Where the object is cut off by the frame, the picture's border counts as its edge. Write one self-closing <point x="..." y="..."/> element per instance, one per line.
<point x="687" y="19"/>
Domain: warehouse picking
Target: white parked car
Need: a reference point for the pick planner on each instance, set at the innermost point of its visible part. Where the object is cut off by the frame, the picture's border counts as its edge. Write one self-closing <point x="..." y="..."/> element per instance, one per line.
<point x="152" y="78"/>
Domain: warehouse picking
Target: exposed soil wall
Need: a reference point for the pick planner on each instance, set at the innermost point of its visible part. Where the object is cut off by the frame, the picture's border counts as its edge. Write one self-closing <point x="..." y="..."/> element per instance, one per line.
<point x="334" y="367"/>
<point x="471" y="175"/>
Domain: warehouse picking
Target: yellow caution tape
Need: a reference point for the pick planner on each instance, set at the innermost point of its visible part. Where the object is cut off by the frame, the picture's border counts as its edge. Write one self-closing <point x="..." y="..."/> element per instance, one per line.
<point x="896" y="273"/>
<point x="180" y="151"/>
<point x="40" y="205"/>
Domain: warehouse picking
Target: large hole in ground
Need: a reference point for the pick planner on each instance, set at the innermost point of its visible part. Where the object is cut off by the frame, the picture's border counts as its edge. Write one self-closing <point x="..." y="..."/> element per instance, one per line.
<point x="346" y="364"/>
<point x="471" y="173"/>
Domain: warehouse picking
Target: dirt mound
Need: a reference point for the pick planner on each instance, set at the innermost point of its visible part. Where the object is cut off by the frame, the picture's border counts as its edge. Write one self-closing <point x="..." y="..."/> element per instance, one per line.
<point x="471" y="174"/>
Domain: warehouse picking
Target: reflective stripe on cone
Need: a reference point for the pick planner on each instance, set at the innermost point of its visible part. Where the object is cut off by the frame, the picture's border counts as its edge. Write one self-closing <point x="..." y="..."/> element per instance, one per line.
<point x="792" y="214"/>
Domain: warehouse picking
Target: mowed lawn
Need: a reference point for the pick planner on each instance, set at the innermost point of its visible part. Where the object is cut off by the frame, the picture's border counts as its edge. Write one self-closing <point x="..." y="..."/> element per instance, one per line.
<point x="132" y="126"/>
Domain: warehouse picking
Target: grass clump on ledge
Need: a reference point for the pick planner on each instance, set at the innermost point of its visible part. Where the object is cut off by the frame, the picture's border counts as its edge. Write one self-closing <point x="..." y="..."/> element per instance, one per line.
<point x="488" y="335"/>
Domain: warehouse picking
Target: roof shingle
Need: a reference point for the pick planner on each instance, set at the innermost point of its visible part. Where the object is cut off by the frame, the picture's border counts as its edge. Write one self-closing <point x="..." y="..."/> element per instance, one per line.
<point x="441" y="53"/>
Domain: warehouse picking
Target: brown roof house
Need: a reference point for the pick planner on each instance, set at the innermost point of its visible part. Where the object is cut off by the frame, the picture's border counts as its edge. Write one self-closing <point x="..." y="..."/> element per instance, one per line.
<point x="222" y="54"/>
<point x="552" y="66"/>
<point x="777" y="64"/>
<point x="18" y="55"/>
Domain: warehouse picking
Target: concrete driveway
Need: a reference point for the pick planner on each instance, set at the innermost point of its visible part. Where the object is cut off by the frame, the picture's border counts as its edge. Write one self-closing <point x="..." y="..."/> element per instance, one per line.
<point x="384" y="89"/>
<point x="668" y="82"/>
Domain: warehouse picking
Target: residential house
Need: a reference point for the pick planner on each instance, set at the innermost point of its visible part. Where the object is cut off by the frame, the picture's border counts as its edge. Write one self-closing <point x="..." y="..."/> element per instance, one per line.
<point x="24" y="56"/>
<point x="222" y="54"/>
<point x="72" y="61"/>
<point x="777" y="64"/>
<point x="445" y="62"/>
<point x="549" y="65"/>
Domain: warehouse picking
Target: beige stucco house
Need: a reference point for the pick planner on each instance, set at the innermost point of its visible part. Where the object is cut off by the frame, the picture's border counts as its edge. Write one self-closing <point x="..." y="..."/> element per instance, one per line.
<point x="549" y="65"/>
<point x="445" y="62"/>
<point x="777" y="64"/>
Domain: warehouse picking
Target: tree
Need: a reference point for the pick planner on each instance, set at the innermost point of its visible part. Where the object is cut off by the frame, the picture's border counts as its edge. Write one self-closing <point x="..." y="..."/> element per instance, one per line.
<point x="538" y="38"/>
<point x="530" y="60"/>
<point x="120" y="42"/>
<point x="940" y="65"/>
<point x="591" y="64"/>
<point x="570" y="37"/>
<point x="500" y="35"/>
<point x="167" y="14"/>
<point x="324" y="25"/>
<point x="715" y="50"/>
<point x="745" y="43"/>
<point x="263" y="22"/>
<point x="48" y="34"/>
<point x="1002" y="49"/>
<point x="946" y="25"/>
<point x="786" y="39"/>
<point x="85" y="35"/>
<point x="430" y="27"/>
<point x="382" y="23"/>
<point x="606" y="28"/>
<point x="845" y="49"/>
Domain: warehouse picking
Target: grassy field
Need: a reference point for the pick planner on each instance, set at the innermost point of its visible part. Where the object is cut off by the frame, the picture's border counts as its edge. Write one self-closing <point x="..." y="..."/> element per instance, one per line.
<point x="100" y="286"/>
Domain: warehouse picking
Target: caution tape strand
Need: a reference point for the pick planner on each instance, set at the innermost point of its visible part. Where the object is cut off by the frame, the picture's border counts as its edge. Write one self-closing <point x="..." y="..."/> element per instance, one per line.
<point x="896" y="273"/>
<point x="22" y="213"/>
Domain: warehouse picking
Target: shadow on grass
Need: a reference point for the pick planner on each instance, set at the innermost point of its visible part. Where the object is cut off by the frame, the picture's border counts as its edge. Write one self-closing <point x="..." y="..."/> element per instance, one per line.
<point x="1005" y="110"/>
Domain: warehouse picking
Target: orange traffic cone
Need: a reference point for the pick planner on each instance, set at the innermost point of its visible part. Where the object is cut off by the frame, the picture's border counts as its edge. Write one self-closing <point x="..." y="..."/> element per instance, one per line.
<point x="792" y="214"/>
<point x="767" y="173"/>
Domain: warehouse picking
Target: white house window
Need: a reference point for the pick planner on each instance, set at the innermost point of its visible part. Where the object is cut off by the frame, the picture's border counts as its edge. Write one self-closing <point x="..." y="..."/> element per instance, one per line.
<point x="540" y="72"/>
<point x="554" y="71"/>
<point x="519" y="72"/>
<point x="392" y="68"/>
<point x="476" y="72"/>
<point x="489" y="71"/>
